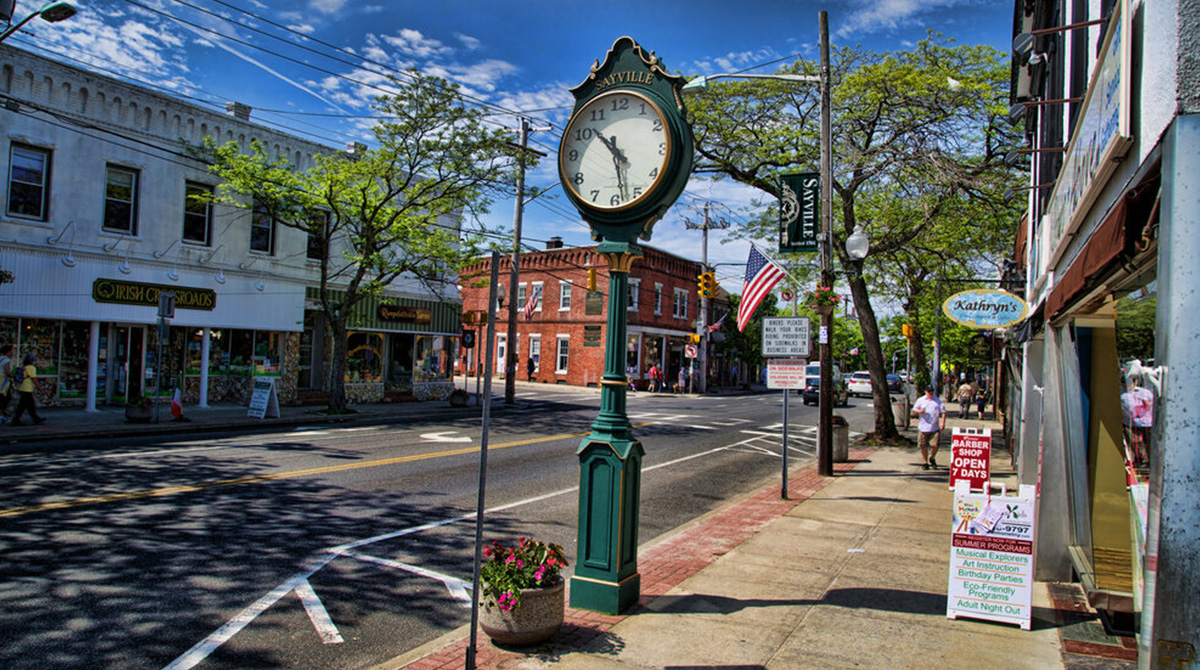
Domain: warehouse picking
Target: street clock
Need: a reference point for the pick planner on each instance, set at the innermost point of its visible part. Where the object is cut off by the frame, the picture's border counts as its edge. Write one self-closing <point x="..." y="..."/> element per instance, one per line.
<point x="627" y="151"/>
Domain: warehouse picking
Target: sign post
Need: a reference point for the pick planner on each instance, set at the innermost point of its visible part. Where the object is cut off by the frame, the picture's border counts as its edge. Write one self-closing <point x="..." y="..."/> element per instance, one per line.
<point x="785" y="337"/>
<point x="991" y="555"/>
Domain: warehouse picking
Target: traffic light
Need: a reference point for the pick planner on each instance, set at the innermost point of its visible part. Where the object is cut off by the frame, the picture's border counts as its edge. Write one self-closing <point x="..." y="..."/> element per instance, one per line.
<point x="907" y="329"/>
<point x="692" y="338"/>
<point x="706" y="284"/>
<point x="591" y="280"/>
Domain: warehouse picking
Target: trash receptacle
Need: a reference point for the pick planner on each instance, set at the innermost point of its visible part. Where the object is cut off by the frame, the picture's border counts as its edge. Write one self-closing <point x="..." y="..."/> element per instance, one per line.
<point x="841" y="439"/>
<point x="901" y="411"/>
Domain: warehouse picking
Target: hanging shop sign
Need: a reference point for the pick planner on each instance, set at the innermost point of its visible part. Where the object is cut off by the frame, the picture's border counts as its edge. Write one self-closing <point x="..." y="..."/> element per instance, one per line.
<point x="1102" y="136"/>
<point x="971" y="457"/>
<point x="985" y="308"/>
<point x="120" y="292"/>
<point x="799" y="211"/>
<point x="991" y="555"/>
<point x="402" y="314"/>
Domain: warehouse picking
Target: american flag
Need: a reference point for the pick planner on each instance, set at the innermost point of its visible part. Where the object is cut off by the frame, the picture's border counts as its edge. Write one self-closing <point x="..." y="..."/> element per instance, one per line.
<point x="761" y="276"/>
<point x="717" y="326"/>
<point x="532" y="302"/>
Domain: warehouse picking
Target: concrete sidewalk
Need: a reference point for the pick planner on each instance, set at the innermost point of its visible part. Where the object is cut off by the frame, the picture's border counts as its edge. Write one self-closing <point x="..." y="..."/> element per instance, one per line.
<point x="851" y="572"/>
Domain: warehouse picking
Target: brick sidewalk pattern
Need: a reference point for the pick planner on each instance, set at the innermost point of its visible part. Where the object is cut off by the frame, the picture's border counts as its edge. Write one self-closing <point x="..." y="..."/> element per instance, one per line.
<point x="662" y="566"/>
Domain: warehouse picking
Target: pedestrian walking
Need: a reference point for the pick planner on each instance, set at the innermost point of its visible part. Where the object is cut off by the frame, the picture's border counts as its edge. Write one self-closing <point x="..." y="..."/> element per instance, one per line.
<point x="26" y="388"/>
<point x="966" y="394"/>
<point x="6" y="384"/>
<point x="931" y="418"/>
<point x="981" y="402"/>
<point x="652" y="383"/>
<point x="681" y="384"/>
<point x="530" y="368"/>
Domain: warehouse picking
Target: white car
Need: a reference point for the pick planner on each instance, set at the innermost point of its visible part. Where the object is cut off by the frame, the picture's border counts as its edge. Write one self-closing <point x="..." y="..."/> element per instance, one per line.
<point x="860" y="384"/>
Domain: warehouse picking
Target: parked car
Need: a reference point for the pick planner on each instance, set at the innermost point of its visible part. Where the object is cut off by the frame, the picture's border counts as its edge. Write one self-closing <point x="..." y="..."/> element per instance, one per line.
<point x="812" y="391"/>
<point x="895" y="384"/>
<point x="860" y="384"/>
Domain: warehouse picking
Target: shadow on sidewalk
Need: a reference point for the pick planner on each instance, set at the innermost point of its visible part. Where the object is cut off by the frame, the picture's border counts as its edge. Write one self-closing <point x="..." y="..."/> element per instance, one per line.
<point x="880" y="599"/>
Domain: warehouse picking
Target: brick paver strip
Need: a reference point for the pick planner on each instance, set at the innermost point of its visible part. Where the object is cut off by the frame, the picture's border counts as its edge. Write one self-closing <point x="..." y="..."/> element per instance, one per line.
<point x="662" y="566"/>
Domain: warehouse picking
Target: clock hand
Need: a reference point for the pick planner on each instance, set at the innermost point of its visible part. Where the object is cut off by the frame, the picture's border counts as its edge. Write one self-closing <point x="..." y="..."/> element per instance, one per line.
<point x="620" y="163"/>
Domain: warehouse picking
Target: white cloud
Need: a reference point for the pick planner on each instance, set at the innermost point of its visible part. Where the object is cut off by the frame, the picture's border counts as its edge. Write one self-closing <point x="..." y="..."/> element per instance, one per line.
<point x="304" y="28"/>
<point x="328" y="6"/>
<point x="874" y="15"/>
<point x="413" y="43"/>
<point x="468" y="42"/>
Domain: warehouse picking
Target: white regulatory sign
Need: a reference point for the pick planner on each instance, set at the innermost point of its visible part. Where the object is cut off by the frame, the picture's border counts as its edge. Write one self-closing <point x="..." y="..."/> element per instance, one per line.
<point x="786" y="337"/>
<point x="785" y="374"/>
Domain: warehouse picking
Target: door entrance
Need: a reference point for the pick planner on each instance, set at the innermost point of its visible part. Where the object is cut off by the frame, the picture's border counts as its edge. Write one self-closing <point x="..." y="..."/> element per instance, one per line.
<point x="128" y="362"/>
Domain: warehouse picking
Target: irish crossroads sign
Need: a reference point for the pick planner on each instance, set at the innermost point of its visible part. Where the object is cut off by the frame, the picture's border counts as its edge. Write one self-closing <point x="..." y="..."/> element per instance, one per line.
<point x="985" y="308"/>
<point x="139" y="293"/>
<point x="799" y="211"/>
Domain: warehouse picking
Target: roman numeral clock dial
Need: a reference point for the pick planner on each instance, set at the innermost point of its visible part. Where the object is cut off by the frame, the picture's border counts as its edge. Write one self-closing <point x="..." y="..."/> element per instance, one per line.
<point x="615" y="151"/>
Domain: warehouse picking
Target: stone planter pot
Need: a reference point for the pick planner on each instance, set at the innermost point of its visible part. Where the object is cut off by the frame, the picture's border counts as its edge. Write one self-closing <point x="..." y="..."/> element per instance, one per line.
<point x="139" y="413"/>
<point x="537" y="619"/>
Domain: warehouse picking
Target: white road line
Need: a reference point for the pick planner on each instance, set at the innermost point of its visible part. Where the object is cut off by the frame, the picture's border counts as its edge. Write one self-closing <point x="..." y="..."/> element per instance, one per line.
<point x="457" y="587"/>
<point x="444" y="436"/>
<point x="203" y="649"/>
<point x="317" y="614"/>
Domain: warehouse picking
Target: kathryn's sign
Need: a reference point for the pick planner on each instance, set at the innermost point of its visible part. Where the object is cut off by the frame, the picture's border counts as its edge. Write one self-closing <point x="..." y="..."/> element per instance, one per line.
<point x="985" y="308"/>
<point x="971" y="457"/>
<point x="799" y="211"/>
<point x="991" y="556"/>
<point x="138" y="293"/>
<point x="402" y="314"/>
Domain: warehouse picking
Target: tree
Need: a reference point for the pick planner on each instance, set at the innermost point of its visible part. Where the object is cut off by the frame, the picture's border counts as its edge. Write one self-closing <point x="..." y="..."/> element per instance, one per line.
<point x="920" y="131"/>
<point x="390" y="214"/>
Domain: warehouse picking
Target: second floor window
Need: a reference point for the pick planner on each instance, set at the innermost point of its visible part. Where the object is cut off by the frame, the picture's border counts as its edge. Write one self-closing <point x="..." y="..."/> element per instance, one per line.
<point x="564" y="296"/>
<point x="634" y="286"/>
<point x="197" y="214"/>
<point x="120" y="199"/>
<point x="262" y="230"/>
<point x="29" y="182"/>
<point x="681" y="304"/>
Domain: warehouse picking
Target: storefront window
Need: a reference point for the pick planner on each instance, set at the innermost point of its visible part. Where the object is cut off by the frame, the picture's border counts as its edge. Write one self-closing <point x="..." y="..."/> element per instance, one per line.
<point x="364" y="362"/>
<point x="72" y="374"/>
<point x="268" y="349"/>
<point x="41" y="336"/>
<point x="241" y="352"/>
<point x="631" y="354"/>
<point x="432" y="358"/>
<point x="8" y="332"/>
<point x="400" y="372"/>
<point x="218" y="352"/>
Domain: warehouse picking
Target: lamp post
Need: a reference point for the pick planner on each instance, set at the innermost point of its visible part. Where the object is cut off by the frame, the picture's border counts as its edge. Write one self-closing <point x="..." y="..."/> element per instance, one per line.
<point x="52" y="12"/>
<point x="825" y="421"/>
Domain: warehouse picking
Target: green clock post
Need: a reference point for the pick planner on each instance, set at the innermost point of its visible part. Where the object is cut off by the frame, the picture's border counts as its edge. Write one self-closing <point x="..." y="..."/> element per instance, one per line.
<point x="624" y="159"/>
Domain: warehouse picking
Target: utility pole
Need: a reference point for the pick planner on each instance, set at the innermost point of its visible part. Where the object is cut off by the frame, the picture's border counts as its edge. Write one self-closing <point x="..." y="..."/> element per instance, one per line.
<point x="510" y="349"/>
<point x="702" y="321"/>
<point x="825" y="419"/>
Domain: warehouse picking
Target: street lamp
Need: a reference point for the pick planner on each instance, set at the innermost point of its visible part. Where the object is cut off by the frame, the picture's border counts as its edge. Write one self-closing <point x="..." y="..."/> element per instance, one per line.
<point x="857" y="245"/>
<point x="825" y="417"/>
<point x="52" y="12"/>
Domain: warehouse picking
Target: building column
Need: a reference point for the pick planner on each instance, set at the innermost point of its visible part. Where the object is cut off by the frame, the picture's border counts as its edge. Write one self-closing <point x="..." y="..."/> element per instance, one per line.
<point x="205" y="350"/>
<point x="93" y="373"/>
<point x="1170" y="635"/>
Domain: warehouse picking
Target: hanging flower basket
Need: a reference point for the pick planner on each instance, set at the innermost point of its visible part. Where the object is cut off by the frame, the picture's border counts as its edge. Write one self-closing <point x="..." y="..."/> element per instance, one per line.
<point x="6" y="277"/>
<point x="822" y="299"/>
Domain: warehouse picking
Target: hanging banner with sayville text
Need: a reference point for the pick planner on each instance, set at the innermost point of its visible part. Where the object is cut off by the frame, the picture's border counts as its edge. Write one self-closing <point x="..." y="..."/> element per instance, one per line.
<point x="991" y="555"/>
<point x="799" y="211"/>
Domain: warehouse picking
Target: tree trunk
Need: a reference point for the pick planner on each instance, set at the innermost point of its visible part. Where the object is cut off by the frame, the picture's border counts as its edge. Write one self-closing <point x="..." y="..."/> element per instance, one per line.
<point x="885" y="421"/>
<point x="337" y="367"/>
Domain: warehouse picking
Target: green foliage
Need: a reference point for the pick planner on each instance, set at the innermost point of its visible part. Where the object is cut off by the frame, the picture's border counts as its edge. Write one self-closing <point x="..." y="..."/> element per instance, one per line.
<point x="1135" y="328"/>
<point x="530" y="564"/>
<point x="388" y="212"/>
<point x="746" y="346"/>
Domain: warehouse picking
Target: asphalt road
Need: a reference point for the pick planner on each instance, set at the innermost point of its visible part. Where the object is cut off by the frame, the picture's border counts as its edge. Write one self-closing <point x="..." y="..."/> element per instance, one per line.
<point x="330" y="548"/>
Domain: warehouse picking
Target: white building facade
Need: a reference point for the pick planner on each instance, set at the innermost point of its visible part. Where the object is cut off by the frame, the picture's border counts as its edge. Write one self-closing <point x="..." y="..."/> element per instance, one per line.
<point x="96" y="221"/>
<point x="1108" y="92"/>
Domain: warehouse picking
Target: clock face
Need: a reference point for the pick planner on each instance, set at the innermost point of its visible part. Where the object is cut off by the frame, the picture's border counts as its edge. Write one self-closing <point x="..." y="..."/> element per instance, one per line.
<point x="615" y="151"/>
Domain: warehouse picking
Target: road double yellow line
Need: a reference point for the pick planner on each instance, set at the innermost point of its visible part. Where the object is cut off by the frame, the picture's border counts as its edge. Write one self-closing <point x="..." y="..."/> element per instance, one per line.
<point x="276" y="476"/>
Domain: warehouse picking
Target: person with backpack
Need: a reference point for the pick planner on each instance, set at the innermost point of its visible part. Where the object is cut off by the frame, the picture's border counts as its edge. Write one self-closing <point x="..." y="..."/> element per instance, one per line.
<point x="6" y="383"/>
<point x="25" y="378"/>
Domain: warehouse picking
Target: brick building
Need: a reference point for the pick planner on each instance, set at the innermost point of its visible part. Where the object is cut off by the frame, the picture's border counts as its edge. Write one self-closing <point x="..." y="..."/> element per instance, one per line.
<point x="565" y="332"/>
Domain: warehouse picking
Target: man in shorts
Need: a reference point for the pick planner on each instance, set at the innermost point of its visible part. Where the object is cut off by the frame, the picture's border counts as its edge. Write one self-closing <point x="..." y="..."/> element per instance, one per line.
<point x="931" y="418"/>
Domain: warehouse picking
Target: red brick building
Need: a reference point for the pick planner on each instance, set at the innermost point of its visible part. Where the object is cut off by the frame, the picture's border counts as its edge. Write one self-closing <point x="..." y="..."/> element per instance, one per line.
<point x="565" y="332"/>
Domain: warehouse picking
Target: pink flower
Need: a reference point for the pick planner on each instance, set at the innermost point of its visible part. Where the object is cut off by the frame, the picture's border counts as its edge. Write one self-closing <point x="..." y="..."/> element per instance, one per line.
<point x="507" y="601"/>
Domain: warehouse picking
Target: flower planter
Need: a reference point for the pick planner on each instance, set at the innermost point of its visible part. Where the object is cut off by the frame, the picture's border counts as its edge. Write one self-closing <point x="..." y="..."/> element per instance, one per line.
<point x="537" y="619"/>
<point x="139" y="413"/>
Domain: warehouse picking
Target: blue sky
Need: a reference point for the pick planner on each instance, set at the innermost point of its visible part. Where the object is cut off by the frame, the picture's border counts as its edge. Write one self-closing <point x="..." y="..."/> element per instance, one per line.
<point x="278" y="57"/>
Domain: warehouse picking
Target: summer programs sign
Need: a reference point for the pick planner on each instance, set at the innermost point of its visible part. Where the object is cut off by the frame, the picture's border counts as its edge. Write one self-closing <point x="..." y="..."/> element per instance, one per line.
<point x="985" y="309"/>
<point x="991" y="556"/>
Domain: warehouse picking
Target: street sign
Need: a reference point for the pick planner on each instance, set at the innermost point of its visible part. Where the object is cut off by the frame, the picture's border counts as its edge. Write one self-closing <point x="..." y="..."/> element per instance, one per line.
<point x="166" y="305"/>
<point x="799" y="211"/>
<point x="786" y="337"/>
<point x="785" y="374"/>
<point x="690" y="351"/>
<point x="468" y="339"/>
